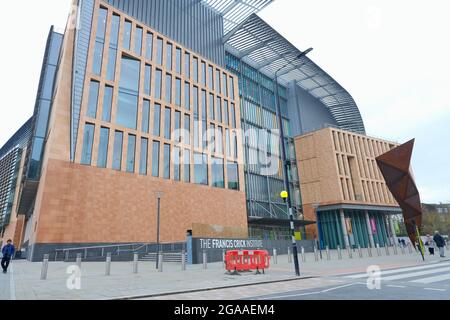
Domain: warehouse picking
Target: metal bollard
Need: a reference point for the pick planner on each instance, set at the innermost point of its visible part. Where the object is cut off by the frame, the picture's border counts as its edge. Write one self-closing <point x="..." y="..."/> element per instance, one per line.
<point x="135" y="263"/>
<point x="275" y="258"/>
<point x="349" y="250"/>
<point x="410" y="248"/>
<point x="223" y="258"/>
<point x="360" y="252"/>
<point x="303" y="254"/>
<point x="108" y="264"/>
<point x="386" y="247"/>
<point x="205" y="261"/>
<point x="44" y="269"/>
<point x="395" y="249"/>
<point x="403" y="250"/>
<point x="79" y="260"/>
<point x="316" y="256"/>
<point x="160" y="261"/>
<point x="289" y="255"/>
<point x="339" y="252"/>
<point x="369" y="251"/>
<point x="378" y="250"/>
<point x="183" y="260"/>
<point x="447" y="245"/>
<point x="328" y="253"/>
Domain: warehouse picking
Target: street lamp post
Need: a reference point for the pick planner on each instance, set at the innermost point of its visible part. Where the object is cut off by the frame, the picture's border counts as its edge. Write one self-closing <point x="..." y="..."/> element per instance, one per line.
<point x="286" y="194"/>
<point x="159" y="196"/>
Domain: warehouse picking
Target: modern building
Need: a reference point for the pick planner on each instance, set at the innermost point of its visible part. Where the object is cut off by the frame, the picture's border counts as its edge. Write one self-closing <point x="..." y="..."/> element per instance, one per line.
<point x="141" y="99"/>
<point x="441" y="208"/>
<point x="343" y="189"/>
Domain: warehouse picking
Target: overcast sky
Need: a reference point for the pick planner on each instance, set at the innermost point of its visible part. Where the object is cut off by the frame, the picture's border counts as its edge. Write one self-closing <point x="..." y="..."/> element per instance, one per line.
<point x="392" y="56"/>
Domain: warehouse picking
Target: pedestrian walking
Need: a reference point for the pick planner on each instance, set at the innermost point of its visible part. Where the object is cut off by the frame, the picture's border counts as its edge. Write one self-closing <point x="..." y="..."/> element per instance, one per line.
<point x="440" y="243"/>
<point x="430" y="244"/>
<point x="8" y="253"/>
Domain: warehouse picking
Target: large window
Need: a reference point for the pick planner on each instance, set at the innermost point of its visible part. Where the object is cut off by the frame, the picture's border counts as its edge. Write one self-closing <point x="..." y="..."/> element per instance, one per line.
<point x="138" y="41"/>
<point x="155" y="159"/>
<point x="149" y="45"/>
<point x="169" y="53"/>
<point x="178" y="92"/>
<point x="232" y="88"/>
<point x="178" y="61"/>
<point x="200" y="168"/>
<point x="187" y="165"/>
<point x="195" y="69"/>
<point x="187" y="65"/>
<point x="226" y="112"/>
<point x="211" y="106"/>
<point x="145" y="126"/>
<point x="224" y="85"/>
<point x="233" y="175"/>
<point x="157" y="120"/>
<point x="211" y="77"/>
<point x="107" y="103"/>
<point x="143" y="157"/>
<point x="117" y="152"/>
<point x="212" y="139"/>
<point x="219" y="140"/>
<point x="127" y="107"/>
<point x="203" y="73"/>
<point x="176" y="164"/>
<point x="159" y="51"/>
<point x="88" y="141"/>
<point x="93" y="99"/>
<point x="158" y="84"/>
<point x="187" y="96"/>
<point x="187" y="129"/>
<point x="217" y="170"/>
<point x="127" y="35"/>
<point x="113" y="47"/>
<point x="167" y="123"/>
<point x="233" y="116"/>
<point x="218" y="87"/>
<point x="228" y="142"/>
<point x="102" y="159"/>
<point x="219" y="109"/>
<point x="166" y="161"/>
<point x="177" y="128"/>
<point x="99" y="42"/>
<point x="148" y="80"/>
<point x="168" y="88"/>
<point x="131" y="153"/>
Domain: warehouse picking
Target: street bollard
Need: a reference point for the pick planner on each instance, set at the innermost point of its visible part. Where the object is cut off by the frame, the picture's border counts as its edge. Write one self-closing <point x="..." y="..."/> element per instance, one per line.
<point x="360" y="252"/>
<point x="316" y="256"/>
<point x="289" y="255"/>
<point x="369" y="251"/>
<point x="378" y="250"/>
<point x="447" y="245"/>
<point x="339" y="252"/>
<point x="349" y="250"/>
<point x="403" y="250"/>
<point x="395" y="249"/>
<point x="410" y="248"/>
<point x="328" y="253"/>
<point x="108" y="264"/>
<point x="135" y="263"/>
<point x="275" y="258"/>
<point x="223" y="258"/>
<point x="44" y="269"/>
<point x="160" y="261"/>
<point x="183" y="261"/>
<point x="386" y="247"/>
<point x="205" y="261"/>
<point x="303" y="254"/>
<point x="79" y="260"/>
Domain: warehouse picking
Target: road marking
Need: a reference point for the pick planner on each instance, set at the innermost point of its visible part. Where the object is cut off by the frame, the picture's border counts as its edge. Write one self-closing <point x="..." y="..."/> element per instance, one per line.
<point x="414" y="274"/>
<point x="435" y="289"/>
<point x="428" y="280"/>
<point x="12" y="286"/>
<point x="307" y="293"/>
<point x="395" y="286"/>
<point x="365" y="275"/>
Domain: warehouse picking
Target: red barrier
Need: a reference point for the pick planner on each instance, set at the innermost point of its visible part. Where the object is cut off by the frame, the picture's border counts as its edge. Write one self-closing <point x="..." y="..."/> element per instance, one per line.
<point x="247" y="260"/>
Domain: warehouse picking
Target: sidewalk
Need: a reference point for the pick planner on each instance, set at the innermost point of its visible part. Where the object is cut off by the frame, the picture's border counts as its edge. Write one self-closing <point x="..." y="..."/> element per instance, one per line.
<point x="123" y="283"/>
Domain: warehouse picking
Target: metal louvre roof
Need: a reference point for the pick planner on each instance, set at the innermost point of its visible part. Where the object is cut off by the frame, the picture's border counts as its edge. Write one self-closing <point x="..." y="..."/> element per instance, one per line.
<point x="259" y="45"/>
<point x="235" y="11"/>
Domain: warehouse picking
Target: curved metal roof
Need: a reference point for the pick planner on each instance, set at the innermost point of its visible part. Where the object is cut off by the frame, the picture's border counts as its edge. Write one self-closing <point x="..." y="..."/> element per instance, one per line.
<point x="235" y="11"/>
<point x="259" y="45"/>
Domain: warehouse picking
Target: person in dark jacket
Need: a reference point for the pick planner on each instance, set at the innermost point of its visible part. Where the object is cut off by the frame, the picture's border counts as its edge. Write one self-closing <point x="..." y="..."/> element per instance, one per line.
<point x="440" y="243"/>
<point x="8" y="253"/>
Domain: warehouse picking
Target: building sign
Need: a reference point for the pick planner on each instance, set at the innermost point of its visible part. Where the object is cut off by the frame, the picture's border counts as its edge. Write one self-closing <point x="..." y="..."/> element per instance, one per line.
<point x="230" y="244"/>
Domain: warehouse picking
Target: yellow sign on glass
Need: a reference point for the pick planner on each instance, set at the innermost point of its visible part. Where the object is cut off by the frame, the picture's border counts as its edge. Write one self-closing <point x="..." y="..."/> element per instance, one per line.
<point x="298" y="236"/>
<point x="284" y="194"/>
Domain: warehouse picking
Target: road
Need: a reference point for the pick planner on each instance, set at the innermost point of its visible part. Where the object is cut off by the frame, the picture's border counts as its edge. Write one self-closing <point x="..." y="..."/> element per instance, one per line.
<point x="429" y="282"/>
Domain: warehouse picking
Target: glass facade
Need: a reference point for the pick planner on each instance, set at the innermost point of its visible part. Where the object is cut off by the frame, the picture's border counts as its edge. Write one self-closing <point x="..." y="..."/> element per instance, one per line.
<point x="149" y="46"/>
<point x="107" y="103"/>
<point x="93" y="99"/>
<point x="127" y="35"/>
<point x="127" y="106"/>
<point x="138" y="41"/>
<point x="113" y="47"/>
<point x="200" y="168"/>
<point x="99" y="42"/>
<point x="166" y="161"/>
<point x="88" y="142"/>
<point x="102" y="159"/>
<point x="117" y="152"/>
<point x="217" y="169"/>
<point x="155" y="158"/>
<point x="167" y="123"/>
<point x="131" y="153"/>
<point x="144" y="157"/>
<point x="145" y="127"/>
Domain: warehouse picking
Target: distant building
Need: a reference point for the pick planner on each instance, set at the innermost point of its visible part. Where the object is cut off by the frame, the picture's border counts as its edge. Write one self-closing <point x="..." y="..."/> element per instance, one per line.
<point x="441" y="208"/>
